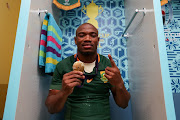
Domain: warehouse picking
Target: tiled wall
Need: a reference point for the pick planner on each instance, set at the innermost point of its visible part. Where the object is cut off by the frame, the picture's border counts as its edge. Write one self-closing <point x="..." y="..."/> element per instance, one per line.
<point x="172" y="35"/>
<point x="111" y="24"/>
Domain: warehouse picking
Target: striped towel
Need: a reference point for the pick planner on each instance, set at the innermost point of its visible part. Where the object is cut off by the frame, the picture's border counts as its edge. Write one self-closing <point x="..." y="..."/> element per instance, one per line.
<point x="50" y="44"/>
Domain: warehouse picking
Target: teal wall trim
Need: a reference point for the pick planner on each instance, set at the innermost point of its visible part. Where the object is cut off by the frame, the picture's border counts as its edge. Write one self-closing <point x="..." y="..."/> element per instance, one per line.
<point x="16" y="66"/>
<point x="169" y="104"/>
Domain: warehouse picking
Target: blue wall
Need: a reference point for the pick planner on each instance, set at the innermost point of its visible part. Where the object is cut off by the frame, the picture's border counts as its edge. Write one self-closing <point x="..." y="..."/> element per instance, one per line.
<point x="176" y="97"/>
<point x="111" y="24"/>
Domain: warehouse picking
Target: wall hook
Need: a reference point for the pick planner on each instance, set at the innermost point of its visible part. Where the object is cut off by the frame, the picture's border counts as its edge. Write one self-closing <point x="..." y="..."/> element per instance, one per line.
<point x="39" y="11"/>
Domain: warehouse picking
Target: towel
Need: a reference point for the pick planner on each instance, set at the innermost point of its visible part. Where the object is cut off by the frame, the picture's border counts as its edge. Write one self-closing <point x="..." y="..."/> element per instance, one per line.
<point x="50" y="44"/>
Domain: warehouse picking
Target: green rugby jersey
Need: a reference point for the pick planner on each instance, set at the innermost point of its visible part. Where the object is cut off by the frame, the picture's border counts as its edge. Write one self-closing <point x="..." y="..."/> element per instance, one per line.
<point x="91" y="101"/>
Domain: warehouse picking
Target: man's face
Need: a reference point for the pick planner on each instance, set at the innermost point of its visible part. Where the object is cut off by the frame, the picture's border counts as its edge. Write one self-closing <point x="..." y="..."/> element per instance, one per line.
<point x="87" y="39"/>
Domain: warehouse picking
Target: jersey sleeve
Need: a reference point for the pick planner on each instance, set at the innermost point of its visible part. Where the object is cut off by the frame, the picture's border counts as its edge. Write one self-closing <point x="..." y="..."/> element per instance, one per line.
<point x="56" y="82"/>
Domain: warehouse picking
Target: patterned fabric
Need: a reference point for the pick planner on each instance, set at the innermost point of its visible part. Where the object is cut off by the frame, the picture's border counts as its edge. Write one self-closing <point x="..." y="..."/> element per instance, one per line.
<point x="50" y="44"/>
<point x="172" y="38"/>
<point x="163" y="8"/>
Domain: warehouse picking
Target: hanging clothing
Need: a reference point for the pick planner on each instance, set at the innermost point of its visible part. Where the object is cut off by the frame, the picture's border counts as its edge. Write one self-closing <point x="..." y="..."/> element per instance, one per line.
<point x="67" y="4"/>
<point x="50" y="44"/>
<point x="169" y="4"/>
<point x="163" y="2"/>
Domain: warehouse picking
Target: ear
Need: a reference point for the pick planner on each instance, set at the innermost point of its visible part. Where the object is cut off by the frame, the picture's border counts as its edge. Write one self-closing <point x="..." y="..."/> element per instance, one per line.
<point x="75" y="40"/>
<point x="98" y="39"/>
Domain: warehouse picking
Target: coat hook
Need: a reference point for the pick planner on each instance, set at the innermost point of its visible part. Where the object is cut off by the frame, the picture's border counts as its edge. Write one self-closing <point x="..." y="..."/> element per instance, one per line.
<point x="39" y="11"/>
<point x="42" y="11"/>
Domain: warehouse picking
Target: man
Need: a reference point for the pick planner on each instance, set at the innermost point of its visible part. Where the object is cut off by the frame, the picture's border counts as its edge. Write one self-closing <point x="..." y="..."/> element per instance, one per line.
<point x="91" y="100"/>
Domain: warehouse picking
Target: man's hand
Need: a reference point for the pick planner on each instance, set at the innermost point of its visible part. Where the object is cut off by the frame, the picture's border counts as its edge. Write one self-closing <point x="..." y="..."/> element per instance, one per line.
<point x="57" y="98"/>
<point x="113" y="74"/>
<point x="120" y="94"/>
<point x="70" y="80"/>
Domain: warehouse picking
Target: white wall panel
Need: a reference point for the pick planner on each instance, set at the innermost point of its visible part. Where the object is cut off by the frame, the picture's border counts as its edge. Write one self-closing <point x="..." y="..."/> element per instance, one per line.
<point x="34" y="84"/>
<point x="145" y="74"/>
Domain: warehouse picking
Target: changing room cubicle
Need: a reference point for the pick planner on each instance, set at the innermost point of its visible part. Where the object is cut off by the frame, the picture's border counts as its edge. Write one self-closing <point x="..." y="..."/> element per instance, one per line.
<point x="139" y="52"/>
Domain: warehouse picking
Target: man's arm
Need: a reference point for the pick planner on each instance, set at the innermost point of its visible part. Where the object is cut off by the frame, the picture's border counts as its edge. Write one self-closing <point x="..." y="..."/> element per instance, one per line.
<point x="57" y="98"/>
<point x="55" y="101"/>
<point x="120" y="94"/>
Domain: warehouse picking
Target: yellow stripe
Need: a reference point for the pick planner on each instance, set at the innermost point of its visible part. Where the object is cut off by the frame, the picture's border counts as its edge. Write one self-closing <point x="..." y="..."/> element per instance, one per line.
<point x="51" y="60"/>
<point x="163" y="2"/>
<point x="42" y="53"/>
<point x="45" y="22"/>
<point x="98" y="58"/>
<point x="51" y="28"/>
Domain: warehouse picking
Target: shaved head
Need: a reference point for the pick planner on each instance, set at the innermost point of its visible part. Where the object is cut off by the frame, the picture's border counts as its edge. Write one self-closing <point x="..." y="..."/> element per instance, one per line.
<point x="85" y="25"/>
